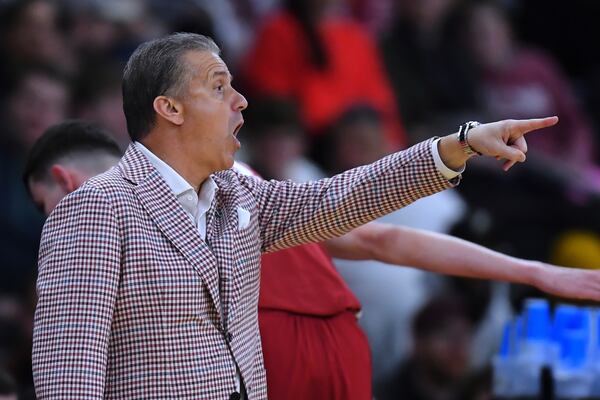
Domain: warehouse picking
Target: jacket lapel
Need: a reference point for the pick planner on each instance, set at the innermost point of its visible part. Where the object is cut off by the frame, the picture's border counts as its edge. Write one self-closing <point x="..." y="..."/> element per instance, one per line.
<point x="225" y="231"/>
<point x="168" y="215"/>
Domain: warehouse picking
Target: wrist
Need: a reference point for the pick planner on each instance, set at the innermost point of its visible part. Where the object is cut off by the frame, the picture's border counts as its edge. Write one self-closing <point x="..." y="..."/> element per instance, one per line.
<point x="532" y="272"/>
<point x="451" y="152"/>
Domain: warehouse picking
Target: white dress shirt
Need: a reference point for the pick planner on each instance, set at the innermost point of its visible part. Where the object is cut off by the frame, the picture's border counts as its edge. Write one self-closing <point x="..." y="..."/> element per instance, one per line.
<point x="195" y="205"/>
<point x="439" y="164"/>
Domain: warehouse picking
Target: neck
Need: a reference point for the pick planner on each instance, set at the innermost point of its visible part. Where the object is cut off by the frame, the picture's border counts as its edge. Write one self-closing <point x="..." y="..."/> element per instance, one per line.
<point x="176" y="155"/>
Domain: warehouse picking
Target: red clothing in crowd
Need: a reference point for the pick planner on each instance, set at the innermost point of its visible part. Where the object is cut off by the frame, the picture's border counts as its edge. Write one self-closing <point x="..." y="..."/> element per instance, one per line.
<point x="312" y="345"/>
<point x="280" y="65"/>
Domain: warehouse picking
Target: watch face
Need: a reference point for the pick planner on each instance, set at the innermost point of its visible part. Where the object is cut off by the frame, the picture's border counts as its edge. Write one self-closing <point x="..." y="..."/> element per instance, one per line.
<point x="463" y="137"/>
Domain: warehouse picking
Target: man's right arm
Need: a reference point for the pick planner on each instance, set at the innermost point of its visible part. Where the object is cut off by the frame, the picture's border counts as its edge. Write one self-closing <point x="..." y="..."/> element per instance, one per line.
<point x="77" y="284"/>
<point x="292" y="214"/>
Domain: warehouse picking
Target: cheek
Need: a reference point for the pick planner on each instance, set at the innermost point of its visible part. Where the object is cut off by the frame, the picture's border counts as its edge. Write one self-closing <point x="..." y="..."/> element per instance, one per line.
<point x="210" y="119"/>
<point x="219" y="110"/>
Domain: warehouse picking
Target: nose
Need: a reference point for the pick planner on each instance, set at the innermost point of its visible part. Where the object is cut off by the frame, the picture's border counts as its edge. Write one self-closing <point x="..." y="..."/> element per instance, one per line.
<point x="240" y="103"/>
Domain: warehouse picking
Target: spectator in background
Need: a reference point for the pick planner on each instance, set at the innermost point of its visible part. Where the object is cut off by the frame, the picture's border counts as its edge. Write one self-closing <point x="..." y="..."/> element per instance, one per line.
<point x="430" y="76"/>
<point x="324" y="62"/>
<point x="17" y="295"/>
<point x="277" y="142"/>
<point x="536" y="22"/>
<point x="193" y="19"/>
<point x="8" y="388"/>
<point x="230" y="22"/>
<point x="108" y="31"/>
<point x="198" y="16"/>
<point x="233" y="30"/>
<point x="571" y="44"/>
<point x="31" y="33"/>
<point x="97" y="98"/>
<point x="375" y="15"/>
<point x="67" y="155"/>
<point x="92" y="33"/>
<point x="523" y="82"/>
<point x="16" y="320"/>
<point x="438" y="368"/>
<point x="356" y="138"/>
<point x="38" y="98"/>
<point x="520" y="80"/>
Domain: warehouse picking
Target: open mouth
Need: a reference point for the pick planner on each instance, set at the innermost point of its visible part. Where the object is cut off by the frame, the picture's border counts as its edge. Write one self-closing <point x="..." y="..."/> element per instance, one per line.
<point x="237" y="128"/>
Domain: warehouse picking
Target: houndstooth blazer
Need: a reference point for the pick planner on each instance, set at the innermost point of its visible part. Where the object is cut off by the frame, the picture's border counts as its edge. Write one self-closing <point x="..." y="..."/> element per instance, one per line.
<point x="133" y="304"/>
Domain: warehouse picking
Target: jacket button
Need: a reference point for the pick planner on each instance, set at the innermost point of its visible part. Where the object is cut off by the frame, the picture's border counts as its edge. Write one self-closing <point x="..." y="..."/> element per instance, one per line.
<point x="229" y="337"/>
<point x="235" y="396"/>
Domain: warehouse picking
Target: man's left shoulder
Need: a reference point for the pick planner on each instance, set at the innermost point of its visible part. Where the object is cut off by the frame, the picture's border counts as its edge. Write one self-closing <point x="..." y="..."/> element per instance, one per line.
<point x="235" y="186"/>
<point x="234" y="179"/>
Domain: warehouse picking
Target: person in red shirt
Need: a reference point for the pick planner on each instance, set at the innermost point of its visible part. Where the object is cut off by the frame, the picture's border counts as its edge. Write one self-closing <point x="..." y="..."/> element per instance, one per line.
<point x="326" y="63"/>
<point x="313" y="347"/>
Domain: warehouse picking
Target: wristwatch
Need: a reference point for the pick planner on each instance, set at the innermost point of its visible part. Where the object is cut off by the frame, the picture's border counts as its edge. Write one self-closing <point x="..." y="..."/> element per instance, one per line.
<point x="463" y="137"/>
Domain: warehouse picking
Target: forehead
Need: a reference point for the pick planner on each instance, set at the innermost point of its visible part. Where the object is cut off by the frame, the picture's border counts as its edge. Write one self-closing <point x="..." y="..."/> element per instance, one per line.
<point x="205" y="64"/>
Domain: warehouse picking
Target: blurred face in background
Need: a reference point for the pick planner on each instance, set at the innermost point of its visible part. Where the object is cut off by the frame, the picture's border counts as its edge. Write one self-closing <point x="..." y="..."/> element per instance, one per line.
<point x="276" y="149"/>
<point x="35" y="35"/>
<point x="427" y="14"/>
<point x="358" y="143"/>
<point x="93" y="34"/>
<point x="107" y="110"/>
<point x="490" y="37"/>
<point x="38" y="102"/>
<point x="445" y="353"/>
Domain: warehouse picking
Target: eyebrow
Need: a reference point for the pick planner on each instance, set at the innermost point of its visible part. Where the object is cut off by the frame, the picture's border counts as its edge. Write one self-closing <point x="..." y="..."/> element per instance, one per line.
<point x="220" y="73"/>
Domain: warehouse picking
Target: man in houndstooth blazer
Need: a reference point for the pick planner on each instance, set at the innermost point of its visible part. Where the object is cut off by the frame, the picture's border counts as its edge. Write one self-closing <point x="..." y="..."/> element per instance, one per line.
<point x="141" y="297"/>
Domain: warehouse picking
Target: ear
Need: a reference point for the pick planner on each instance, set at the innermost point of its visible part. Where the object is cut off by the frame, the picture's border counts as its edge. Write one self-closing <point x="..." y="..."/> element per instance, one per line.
<point x="169" y="108"/>
<point x="63" y="178"/>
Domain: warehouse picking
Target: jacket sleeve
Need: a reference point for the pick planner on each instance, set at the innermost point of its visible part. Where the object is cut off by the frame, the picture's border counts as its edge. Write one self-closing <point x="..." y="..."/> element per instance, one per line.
<point x="79" y="266"/>
<point x="292" y="213"/>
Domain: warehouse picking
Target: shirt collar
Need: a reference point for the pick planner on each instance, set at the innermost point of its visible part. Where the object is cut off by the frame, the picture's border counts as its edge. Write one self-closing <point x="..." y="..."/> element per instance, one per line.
<point x="176" y="182"/>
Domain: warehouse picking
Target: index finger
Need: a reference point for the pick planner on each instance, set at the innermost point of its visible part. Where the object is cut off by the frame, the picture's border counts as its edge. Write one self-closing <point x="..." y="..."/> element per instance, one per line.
<point x="521" y="127"/>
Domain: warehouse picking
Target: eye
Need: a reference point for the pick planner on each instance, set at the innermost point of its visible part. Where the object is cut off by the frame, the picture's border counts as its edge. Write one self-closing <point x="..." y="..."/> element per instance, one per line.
<point x="220" y="88"/>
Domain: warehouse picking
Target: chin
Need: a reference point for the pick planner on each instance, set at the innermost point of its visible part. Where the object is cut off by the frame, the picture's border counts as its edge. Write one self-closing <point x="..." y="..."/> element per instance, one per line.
<point x="227" y="164"/>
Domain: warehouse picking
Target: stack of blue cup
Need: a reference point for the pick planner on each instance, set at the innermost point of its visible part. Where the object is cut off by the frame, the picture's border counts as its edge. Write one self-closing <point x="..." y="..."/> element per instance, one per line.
<point x="568" y="343"/>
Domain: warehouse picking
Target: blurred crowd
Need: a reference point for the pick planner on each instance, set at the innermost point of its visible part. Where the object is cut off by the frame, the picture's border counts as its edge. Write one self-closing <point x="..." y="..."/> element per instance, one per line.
<point x="333" y="84"/>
